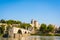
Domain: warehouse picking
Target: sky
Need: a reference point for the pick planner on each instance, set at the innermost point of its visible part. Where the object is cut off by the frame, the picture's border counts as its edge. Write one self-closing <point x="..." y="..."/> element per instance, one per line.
<point x="44" y="11"/>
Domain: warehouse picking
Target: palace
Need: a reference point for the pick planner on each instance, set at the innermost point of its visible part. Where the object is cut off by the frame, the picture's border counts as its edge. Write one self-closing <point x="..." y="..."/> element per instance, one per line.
<point x="34" y="23"/>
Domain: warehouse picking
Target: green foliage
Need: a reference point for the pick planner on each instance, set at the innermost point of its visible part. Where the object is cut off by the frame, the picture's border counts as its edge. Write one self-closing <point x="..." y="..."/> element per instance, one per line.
<point x="1" y="35"/>
<point x="42" y="34"/>
<point x="2" y="28"/>
<point x="13" y="22"/>
<point x="10" y="21"/>
<point x="50" y="28"/>
<point x="2" y="21"/>
<point x="43" y="28"/>
<point x="25" y="25"/>
<point x="46" y="29"/>
<point x="8" y="27"/>
<point x="57" y="34"/>
<point x="59" y="29"/>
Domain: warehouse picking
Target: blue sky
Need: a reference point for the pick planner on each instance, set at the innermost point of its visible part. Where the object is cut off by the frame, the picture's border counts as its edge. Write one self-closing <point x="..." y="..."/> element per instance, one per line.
<point x="44" y="11"/>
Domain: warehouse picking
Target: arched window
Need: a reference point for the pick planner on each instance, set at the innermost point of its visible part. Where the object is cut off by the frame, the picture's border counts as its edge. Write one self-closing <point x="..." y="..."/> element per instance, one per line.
<point x="25" y="32"/>
<point x="19" y="31"/>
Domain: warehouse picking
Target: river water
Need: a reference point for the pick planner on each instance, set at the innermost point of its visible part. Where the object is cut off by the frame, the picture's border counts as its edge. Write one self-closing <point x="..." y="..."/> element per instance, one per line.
<point x="34" y="38"/>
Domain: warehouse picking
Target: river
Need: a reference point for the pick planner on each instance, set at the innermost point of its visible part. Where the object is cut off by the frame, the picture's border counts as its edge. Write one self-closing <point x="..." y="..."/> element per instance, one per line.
<point x="34" y="38"/>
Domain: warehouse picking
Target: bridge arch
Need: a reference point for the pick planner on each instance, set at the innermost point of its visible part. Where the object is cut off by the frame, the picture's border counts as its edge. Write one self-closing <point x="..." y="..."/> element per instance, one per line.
<point x="19" y="31"/>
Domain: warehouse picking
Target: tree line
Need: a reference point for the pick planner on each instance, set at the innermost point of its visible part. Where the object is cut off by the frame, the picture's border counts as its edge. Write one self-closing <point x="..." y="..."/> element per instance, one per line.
<point x="43" y="27"/>
<point x="46" y="29"/>
<point x="10" y="21"/>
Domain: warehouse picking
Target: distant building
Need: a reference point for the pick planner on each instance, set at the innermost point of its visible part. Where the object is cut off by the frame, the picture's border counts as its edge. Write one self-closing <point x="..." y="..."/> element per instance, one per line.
<point x="34" y="23"/>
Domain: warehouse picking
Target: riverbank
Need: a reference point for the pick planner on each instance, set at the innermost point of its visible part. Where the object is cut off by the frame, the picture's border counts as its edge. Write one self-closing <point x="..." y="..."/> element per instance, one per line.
<point x="45" y="34"/>
<point x="38" y="35"/>
<point x="33" y="38"/>
<point x="1" y="34"/>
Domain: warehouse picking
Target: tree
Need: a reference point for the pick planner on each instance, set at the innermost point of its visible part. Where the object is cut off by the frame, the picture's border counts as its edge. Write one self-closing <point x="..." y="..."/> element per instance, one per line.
<point x="43" y="28"/>
<point x="58" y="30"/>
<point x="25" y="25"/>
<point x="50" y="28"/>
<point x="10" y="21"/>
<point x="8" y="27"/>
<point x="13" y="22"/>
<point x="18" y="22"/>
<point x="2" y="28"/>
<point x="2" y="21"/>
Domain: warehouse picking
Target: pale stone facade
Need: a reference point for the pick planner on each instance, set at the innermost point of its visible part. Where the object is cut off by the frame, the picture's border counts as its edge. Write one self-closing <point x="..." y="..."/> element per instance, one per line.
<point x="34" y="23"/>
<point x="14" y="30"/>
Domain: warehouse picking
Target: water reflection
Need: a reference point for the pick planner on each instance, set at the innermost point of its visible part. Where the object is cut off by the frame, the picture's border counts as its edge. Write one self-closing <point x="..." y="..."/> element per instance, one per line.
<point x="47" y="38"/>
<point x="34" y="38"/>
